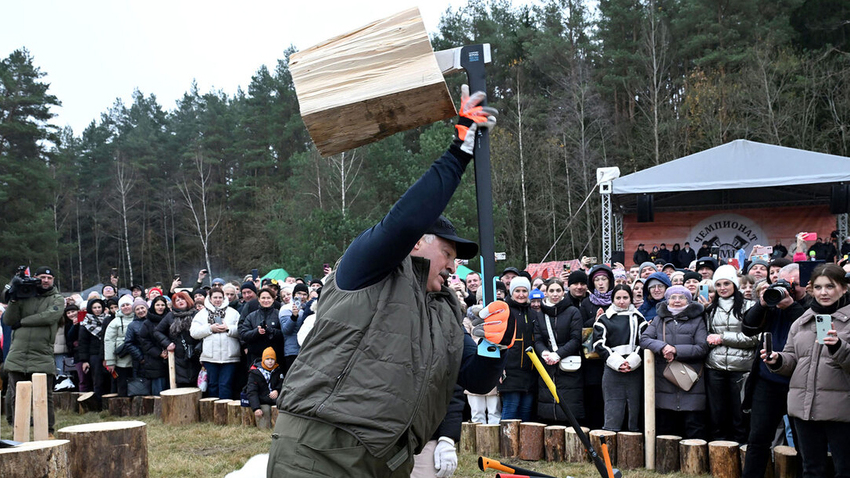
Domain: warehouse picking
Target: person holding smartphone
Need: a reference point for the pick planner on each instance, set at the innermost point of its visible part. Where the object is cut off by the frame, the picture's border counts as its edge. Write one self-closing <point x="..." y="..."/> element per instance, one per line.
<point x="817" y="358"/>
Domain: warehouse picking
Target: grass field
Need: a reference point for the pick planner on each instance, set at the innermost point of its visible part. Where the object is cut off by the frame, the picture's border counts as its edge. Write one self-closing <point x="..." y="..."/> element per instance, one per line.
<point x="205" y="450"/>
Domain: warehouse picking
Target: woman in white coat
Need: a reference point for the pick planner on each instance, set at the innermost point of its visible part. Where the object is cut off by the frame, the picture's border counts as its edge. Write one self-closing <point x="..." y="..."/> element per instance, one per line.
<point x="217" y="325"/>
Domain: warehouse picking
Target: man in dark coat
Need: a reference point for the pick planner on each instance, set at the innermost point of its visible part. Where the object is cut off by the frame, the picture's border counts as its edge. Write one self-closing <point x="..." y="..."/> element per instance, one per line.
<point x="640" y="256"/>
<point x="686" y="256"/>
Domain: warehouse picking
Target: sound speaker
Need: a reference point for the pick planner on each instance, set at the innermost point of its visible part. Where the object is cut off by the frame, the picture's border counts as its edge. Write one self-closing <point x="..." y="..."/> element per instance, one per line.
<point x="839" y="200"/>
<point x="618" y="256"/>
<point x="644" y="208"/>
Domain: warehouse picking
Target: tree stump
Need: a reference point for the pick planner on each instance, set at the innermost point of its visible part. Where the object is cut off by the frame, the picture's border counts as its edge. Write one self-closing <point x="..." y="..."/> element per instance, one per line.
<point x="667" y="453"/>
<point x="180" y="405"/>
<point x="273" y="415"/>
<point x="23" y="411"/>
<point x="610" y="439"/>
<point x="487" y="440"/>
<point x="206" y="409"/>
<point x="234" y="413"/>
<point x="44" y="459"/>
<point x="137" y="406"/>
<point x="509" y="435"/>
<point x="531" y="441"/>
<point x="467" y="437"/>
<point x="120" y="406"/>
<point x="248" y="417"/>
<point x="107" y="449"/>
<point x="693" y="457"/>
<point x="630" y="453"/>
<point x="220" y="411"/>
<point x="105" y="399"/>
<point x="576" y="453"/>
<point x="768" y="471"/>
<point x="157" y="407"/>
<point x="148" y="404"/>
<point x="555" y="442"/>
<point x="88" y="402"/>
<point x="785" y="462"/>
<point x="73" y="402"/>
<point x="724" y="459"/>
<point x="61" y="401"/>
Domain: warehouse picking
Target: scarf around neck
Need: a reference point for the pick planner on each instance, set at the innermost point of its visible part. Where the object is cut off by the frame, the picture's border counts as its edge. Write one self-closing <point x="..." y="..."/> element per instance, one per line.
<point x="94" y="323"/>
<point x="600" y="298"/>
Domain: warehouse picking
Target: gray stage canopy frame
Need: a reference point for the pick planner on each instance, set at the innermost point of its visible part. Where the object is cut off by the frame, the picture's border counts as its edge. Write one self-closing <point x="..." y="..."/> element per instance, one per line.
<point x="736" y="175"/>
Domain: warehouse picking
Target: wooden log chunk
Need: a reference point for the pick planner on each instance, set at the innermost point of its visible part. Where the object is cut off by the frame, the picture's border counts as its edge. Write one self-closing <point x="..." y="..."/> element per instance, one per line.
<point x="667" y="453"/>
<point x="23" y="410"/>
<point x="509" y="438"/>
<point x="531" y="441"/>
<point x="220" y="411"/>
<point x="172" y="371"/>
<point x="467" y="437"/>
<point x="73" y="404"/>
<point x="206" y="409"/>
<point x="44" y="459"/>
<point x="610" y="439"/>
<point x="60" y="399"/>
<point x="108" y="396"/>
<point x="107" y="449"/>
<point x="649" y="408"/>
<point x="88" y="402"/>
<point x="274" y="414"/>
<point x="785" y="462"/>
<point x="157" y="407"/>
<point x="248" y="418"/>
<point x="66" y="401"/>
<point x="180" y="405"/>
<point x="120" y="406"/>
<point x="554" y="439"/>
<point x="370" y="83"/>
<point x="148" y="404"/>
<point x="693" y="456"/>
<point x="630" y="453"/>
<point x="724" y="459"/>
<point x="487" y="440"/>
<point x="137" y="406"/>
<point x="576" y="452"/>
<point x="234" y="413"/>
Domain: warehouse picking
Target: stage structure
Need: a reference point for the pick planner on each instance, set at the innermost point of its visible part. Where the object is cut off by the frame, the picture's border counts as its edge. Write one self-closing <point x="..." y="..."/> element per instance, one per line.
<point x="736" y="195"/>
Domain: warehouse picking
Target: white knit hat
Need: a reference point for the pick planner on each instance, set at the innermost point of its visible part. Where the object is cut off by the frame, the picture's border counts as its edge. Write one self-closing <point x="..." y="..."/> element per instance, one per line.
<point x="520" y="281"/>
<point x="726" y="272"/>
<point x="125" y="299"/>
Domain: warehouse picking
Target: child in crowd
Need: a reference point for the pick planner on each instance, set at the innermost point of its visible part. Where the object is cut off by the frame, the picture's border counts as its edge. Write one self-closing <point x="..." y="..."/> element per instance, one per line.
<point x="264" y="383"/>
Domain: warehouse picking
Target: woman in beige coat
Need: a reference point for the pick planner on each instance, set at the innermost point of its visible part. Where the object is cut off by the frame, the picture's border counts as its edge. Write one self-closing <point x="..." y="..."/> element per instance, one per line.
<point x="819" y="397"/>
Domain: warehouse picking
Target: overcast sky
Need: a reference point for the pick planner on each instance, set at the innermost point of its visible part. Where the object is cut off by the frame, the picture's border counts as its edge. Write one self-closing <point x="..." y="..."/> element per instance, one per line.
<point x="96" y="51"/>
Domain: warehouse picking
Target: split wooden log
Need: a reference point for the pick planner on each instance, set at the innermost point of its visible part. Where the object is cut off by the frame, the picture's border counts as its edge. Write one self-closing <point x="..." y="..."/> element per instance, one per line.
<point x="234" y="413"/>
<point x="467" y="437"/>
<point x="487" y="440"/>
<point x="630" y="453"/>
<point x="44" y="459"/>
<point x="724" y="459"/>
<point x="148" y="403"/>
<point x="273" y="415"/>
<point x="137" y="406"/>
<point x="88" y="402"/>
<point x="509" y="438"/>
<point x="370" y="83"/>
<point x="180" y="405"/>
<point x="107" y="449"/>
<point x="120" y="406"/>
<point x="531" y="441"/>
<point x="667" y="453"/>
<point x="554" y="438"/>
<point x="693" y="456"/>
<point x="172" y="371"/>
<point x="157" y="407"/>
<point x="576" y="452"/>
<point x="610" y="439"/>
<point x="649" y="408"/>
<point x="23" y="411"/>
<point x="220" y="411"/>
<point x="206" y="409"/>
<point x="785" y="462"/>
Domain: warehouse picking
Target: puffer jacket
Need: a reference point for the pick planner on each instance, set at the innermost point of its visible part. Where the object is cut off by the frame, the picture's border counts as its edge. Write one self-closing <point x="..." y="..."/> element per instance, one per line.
<point x="113" y="340"/>
<point x="566" y="322"/>
<point x="616" y="337"/>
<point x="256" y="342"/>
<point x="738" y="351"/>
<point x="154" y="366"/>
<point x="217" y="348"/>
<point x="687" y="332"/>
<point x="34" y="322"/>
<point x="258" y="388"/>
<point x="186" y="348"/>
<point x="519" y="371"/>
<point x="820" y="380"/>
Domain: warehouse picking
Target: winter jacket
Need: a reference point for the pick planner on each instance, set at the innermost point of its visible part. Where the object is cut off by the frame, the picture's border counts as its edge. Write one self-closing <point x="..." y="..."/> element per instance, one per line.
<point x="639" y="257"/>
<point x="649" y="307"/>
<point x="34" y="322"/>
<point x="687" y="332"/>
<point x="738" y="351"/>
<point x="616" y="337"/>
<point x="566" y="322"/>
<point x="686" y="257"/>
<point x="519" y="371"/>
<point x="220" y="347"/>
<point x="60" y="345"/>
<point x="820" y="379"/>
<point x="132" y="345"/>
<point x="154" y="365"/>
<point x="291" y="325"/>
<point x="113" y="340"/>
<point x="186" y="348"/>
<point x="258" y="388"/>
<point x="89" y="345"/>
<point x="256" y="342"/>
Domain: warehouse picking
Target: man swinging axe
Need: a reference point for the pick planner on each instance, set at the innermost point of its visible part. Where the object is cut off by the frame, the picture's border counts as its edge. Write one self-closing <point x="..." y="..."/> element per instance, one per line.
<point x="373" y="380"/>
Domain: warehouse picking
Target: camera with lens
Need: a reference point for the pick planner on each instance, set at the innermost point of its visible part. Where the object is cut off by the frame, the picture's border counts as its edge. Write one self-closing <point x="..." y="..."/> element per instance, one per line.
<point x="777" y="292"/>
<point x="22" y="286"/>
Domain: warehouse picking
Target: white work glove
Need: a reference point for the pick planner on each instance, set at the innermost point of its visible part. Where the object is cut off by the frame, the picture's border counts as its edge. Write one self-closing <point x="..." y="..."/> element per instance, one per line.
<point x="471" y="117"/>
<point x="445" y="457"/>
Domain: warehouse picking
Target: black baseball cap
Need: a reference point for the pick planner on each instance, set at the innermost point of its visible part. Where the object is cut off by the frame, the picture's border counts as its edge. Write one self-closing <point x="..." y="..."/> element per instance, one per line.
<point x="44" y="270"/>
<point x="442" y="227"/>
<point x="509" y="269"/>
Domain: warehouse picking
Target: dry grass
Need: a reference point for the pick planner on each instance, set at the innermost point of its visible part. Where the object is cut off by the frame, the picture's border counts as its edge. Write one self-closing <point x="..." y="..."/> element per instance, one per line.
<point x="204" y="450"/>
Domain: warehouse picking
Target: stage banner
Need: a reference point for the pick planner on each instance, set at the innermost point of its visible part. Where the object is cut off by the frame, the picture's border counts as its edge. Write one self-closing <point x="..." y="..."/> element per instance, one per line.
<point x="729" y="229"/>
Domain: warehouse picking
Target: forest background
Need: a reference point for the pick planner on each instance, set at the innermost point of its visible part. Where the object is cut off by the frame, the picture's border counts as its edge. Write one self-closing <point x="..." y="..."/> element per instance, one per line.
<point x="232" y="182"/>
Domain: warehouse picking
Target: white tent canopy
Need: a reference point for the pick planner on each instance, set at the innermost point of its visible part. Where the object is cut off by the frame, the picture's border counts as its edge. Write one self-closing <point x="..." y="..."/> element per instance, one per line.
<point x="737" y="165"/>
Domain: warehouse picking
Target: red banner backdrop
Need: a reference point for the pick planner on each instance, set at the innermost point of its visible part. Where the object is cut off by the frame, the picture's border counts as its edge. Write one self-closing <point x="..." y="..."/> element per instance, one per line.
<point x="731" y="229"/>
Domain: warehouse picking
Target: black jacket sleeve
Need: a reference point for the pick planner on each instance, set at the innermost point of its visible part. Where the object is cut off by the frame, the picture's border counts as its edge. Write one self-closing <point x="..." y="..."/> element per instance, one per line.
<point x="450" y="426"/>
<point x="161" y="332"/>
<point x="479" y="374"/>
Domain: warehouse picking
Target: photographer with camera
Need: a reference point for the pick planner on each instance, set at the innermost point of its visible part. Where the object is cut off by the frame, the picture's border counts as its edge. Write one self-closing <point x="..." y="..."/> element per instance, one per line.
<point x="778" y="306"/>
<point x="34" y="313"/>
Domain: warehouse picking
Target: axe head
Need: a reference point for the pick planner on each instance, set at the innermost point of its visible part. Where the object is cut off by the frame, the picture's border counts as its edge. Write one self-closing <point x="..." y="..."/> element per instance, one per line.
<point x="449" y="60"/>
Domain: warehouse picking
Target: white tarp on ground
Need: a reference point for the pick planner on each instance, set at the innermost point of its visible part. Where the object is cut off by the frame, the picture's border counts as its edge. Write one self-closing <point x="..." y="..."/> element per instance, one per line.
<point x="736" y="165"/>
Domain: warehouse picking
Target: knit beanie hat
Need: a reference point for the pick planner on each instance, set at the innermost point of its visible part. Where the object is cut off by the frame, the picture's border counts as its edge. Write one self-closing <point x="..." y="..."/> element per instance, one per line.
<point x="677" y="289"/>
<point x="757" y="261"/>
<point x="692" y="275"/>
<point x="645" y="265"/>
<point x="154" y="289"/>
<point x="139" y="301"/>
<point x="249" y="285"/>
<point x="125" y="299"/>
<point x="518" y="282"/>
<point x="726" y="272"/>
<point x="268" y="353"/>
<point x="577" y="277"/>
<point x="299" y="287"/>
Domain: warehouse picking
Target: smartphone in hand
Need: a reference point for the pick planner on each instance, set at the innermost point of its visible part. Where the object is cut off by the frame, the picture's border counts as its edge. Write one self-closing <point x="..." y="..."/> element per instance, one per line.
<point x="768" y="344"/>
<point x="703" y="291"/>
<point x="823" y="324"/>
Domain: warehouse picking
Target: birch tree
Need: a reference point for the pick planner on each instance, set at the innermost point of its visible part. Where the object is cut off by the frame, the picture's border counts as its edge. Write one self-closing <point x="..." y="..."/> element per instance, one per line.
<point x="124" y="183"/>
<point x="205" y="215"/>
